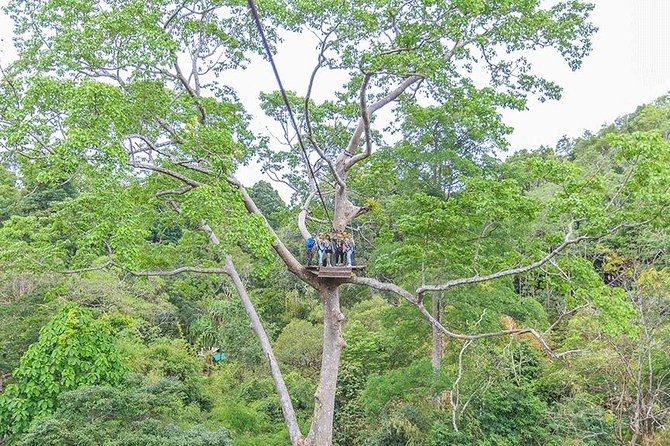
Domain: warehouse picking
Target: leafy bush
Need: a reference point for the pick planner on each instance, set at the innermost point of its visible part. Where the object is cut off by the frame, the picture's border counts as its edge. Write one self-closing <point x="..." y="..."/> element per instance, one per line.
<point x="172" y="358"/>
<point x="74" y="350"/>
<point x="137" y="414"/>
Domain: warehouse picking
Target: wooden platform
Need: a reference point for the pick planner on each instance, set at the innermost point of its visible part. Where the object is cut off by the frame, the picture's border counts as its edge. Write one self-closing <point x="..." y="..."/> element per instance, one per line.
<point x="335" y="272"/>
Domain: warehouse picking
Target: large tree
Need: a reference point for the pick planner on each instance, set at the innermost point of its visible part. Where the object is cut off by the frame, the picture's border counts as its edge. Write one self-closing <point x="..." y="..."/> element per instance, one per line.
<point x="130" y="98"/>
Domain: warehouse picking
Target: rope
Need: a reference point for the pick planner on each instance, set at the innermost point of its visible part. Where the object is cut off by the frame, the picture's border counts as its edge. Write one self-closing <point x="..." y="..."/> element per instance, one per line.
<point x="259" y="26"/>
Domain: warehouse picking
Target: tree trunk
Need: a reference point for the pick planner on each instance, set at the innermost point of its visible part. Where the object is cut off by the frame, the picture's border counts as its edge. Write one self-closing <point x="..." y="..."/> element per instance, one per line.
<point x="321" y="432"/>
<point x="344" y="210"/>
<point x="437" y="335"/>
<point x="436" y="354"/>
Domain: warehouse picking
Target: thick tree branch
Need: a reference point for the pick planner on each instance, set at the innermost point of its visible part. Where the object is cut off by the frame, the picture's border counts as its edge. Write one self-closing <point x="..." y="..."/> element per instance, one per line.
<point x="287" y="257"/>
<point x="263" y="339"/>
<point x="308" y="119"/>
<point x="417" y="299"/>
<point x="568" y="241"/>
<point x="302" y="216"/>
<point x="366" y="118"/>
<point x="204" y="227"/>
<point x="257" y="327"/>
<point x="356" y="137"/>
<point x="384" y="286"/>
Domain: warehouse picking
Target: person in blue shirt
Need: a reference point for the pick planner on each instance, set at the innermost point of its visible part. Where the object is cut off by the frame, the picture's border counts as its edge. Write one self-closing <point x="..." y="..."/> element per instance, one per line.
<point x="325" y="249"/>
<point x="309" y="246"/>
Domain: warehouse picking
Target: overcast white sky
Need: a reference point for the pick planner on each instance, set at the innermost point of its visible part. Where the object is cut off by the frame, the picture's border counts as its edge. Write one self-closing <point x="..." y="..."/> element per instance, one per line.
<point x="629" y="66"/>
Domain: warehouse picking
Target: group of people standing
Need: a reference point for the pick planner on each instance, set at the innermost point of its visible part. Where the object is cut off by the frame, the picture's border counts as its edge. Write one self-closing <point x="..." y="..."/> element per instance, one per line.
<point x="333" y="249"/>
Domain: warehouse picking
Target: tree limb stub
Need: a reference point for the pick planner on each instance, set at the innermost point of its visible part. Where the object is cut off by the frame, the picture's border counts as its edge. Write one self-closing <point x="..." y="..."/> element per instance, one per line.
<point x="302" y="216"/>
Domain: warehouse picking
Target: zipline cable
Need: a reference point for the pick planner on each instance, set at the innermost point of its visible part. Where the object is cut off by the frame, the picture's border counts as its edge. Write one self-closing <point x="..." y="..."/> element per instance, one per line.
<point x="259" y="26"/>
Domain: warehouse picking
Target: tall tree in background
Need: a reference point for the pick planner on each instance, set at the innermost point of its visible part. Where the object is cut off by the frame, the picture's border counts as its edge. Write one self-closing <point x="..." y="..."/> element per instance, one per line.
<point x="129" y="97"/>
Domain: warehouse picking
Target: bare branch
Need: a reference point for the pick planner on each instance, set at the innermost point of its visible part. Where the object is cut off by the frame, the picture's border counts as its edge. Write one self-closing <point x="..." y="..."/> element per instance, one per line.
<point x="195" y="167"/>
<point x="562" y="315"/>
<point x="207" y="229"/>
<point x="567" y="353"/>
<point x="17" y="96"/>
<point x="178" y="191"/>
<point x="568" y="241"/>
<point x="317" y="220"/>
<point x="256" y="326"/>
<point x="515" y="331"/>
<point x="191" y="182"/>
<point x="331" y="165"/>
<point x="455" y="387"/>
<point x="308" y="120"/>
<point x="191" y="92"/>
<point x="182" y="270"/>
<point x="383" y="286"/>
<point x="106" y="265"/>
<point x="366" y="118"/>
<point x="275" y="372"/>
<point x="274" y="177"/>
<point x="176" y="137"/>
<point x="356" y="137"/>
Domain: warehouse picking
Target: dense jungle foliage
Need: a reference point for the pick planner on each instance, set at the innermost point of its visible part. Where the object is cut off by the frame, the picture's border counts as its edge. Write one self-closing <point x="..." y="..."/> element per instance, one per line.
<point x="82" y="355"/>
<point x="133" y="263"/>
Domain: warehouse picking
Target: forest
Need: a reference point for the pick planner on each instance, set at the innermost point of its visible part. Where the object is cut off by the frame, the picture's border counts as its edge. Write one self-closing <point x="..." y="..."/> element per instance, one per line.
<point x="151" y="295"/>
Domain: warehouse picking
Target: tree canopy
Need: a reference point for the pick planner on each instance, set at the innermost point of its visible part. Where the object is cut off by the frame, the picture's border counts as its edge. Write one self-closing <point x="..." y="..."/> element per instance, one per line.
<point x="516" y="300"/>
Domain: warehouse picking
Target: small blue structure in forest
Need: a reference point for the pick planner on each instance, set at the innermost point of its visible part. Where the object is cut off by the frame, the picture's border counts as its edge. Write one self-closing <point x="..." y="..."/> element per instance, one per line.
<point x="218" y="356"/>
